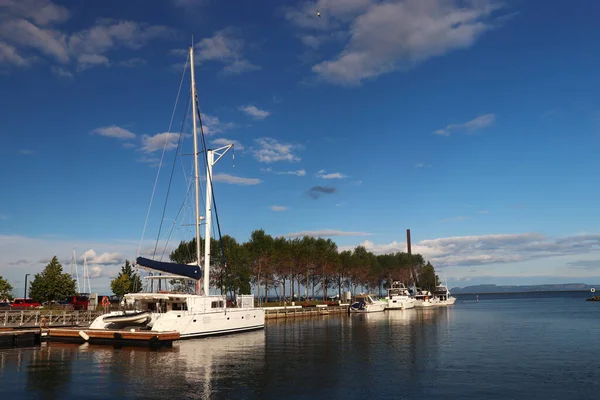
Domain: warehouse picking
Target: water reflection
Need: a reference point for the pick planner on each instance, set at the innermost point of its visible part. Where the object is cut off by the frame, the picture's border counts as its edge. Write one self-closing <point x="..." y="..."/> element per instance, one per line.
<point x="319" y="357"/>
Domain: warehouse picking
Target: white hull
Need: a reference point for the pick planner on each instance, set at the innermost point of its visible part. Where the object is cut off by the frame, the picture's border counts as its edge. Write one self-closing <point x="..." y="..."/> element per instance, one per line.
<point x="423" y="303"/>
<point x="369" y="308"/>
<point x="191" y="325"/>
<point x="448" y="302"/>
<point x="400" y="304"/>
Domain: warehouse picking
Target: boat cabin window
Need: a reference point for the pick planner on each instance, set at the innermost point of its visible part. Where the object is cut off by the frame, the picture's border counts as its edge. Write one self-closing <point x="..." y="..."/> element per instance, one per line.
<point x="179" y="307"/>
<point x="217" y="304"/>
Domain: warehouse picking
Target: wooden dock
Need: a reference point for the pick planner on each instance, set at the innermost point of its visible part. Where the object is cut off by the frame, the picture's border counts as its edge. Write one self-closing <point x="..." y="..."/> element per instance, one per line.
<point x="303" y="311"/>
<point x="19" y="338"/>
<point x="111" y="337"/>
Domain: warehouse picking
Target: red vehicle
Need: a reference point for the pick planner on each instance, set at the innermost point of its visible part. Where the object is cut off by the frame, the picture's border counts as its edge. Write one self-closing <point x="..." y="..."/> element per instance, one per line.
<point x="78" y="302"/>
<point x="25" y="303"/>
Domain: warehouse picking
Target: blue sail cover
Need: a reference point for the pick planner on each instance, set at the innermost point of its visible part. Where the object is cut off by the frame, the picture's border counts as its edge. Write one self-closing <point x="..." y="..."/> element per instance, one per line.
<point x="189" y="271"/>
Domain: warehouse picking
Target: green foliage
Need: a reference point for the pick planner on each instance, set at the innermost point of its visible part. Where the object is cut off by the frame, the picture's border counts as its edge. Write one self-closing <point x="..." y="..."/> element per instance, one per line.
<point x="185" y="253"/>
<point x="52" y="284"/>
<point x="128" y="281"/>
<point x="5" y="289"/>
<point x="427" y="277"/>
<point x="304" y="266"/>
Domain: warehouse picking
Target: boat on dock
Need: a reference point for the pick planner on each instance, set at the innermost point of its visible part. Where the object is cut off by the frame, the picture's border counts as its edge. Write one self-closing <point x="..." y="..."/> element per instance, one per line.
<point x="398" y="297"/>
<point x="191" y="314"/>
<point x="366" y="303"/>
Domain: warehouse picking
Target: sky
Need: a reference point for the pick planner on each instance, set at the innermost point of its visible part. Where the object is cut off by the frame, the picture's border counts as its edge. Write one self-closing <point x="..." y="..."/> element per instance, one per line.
<point x="475" y="124"/>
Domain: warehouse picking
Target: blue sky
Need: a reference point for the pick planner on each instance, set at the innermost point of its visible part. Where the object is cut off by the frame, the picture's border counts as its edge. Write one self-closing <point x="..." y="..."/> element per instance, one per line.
<point x="474" y="124"/>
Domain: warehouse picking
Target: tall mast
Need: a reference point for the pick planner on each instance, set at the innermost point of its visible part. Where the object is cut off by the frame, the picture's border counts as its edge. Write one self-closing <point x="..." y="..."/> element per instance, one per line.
<point x="210" y="161"/>
<point x="196" y="176"/>
<point x="207" y="220"/>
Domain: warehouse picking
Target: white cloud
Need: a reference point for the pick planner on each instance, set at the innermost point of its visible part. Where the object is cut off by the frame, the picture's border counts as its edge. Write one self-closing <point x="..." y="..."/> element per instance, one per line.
<point x="225" y="142"/>
<point x="213" y="125"/>
<point x="42" y="12"/>
<point x="9" y="55"/>
<point x="255" y="112"/>
<point x="235" y="180"/>
<point x="391" y="35"/>
<point x="109" y="34"/>
<point x="60" y="71"/>
<point x="106" y="258"/>
<point x="492" y="249"/>
<point x="96" y="272"/>
<point x="279" y="208"/>
<point x="271" y="150"/>
<point x="151" y="161"/>
<point x="325" y="233"/>
<point x="91" y="60"/>
<point x="299" y="172"/>
<point x="115" y="132"/>
<point x="224" y="47"/>
<point x="333" y="175"/>
<point x="159" y="141"/>
<point x="471" y="126"/>
<point x="31" y="31"/>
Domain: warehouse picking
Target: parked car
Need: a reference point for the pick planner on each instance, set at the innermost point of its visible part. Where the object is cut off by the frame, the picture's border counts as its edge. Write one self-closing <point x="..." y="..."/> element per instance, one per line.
<point x="25" y="303"/>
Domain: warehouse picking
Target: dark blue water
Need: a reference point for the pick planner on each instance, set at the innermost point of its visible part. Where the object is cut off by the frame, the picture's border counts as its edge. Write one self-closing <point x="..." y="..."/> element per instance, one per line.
<point x="535" y="346"/>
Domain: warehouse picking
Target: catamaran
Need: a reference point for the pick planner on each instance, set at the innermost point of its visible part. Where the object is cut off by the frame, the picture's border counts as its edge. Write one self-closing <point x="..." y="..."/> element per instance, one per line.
<point x="192" y="315"/>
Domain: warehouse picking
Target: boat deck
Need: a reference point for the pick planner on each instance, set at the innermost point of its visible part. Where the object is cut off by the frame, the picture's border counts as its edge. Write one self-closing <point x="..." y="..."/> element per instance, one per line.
<point x="112" y="337"/>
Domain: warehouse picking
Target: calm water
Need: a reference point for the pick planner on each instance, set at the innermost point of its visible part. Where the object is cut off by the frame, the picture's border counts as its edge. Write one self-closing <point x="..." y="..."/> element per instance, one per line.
<point x="502" y="347"/>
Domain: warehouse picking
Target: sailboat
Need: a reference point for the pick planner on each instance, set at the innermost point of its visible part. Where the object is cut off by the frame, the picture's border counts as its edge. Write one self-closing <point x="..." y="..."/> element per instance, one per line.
<point x="192" y="315"/>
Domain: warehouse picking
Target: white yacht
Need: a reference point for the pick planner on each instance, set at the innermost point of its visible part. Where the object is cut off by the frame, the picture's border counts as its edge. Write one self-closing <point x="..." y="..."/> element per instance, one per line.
<point x="398" y="297"/>
<point x="192" y="315"/>
<point x="423" y="298"/>
<point x="442" y="296"/>
<point x="366" y="303"/>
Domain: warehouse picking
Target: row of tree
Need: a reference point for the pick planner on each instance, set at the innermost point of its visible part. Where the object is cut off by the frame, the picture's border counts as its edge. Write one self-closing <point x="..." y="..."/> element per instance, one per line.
<point x="313" y="265"/>
<point x="287" y="267"/>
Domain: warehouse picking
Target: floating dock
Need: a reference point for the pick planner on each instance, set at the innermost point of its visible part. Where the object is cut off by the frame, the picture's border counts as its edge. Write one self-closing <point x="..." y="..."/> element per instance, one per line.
<point x="19" y="338"/>
<point x="304" y="311"/>
<point x="111" y="337"/>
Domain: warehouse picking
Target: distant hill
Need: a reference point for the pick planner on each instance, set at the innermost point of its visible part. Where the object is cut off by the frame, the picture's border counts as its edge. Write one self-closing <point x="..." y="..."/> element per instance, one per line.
<point x="563" y="287"/>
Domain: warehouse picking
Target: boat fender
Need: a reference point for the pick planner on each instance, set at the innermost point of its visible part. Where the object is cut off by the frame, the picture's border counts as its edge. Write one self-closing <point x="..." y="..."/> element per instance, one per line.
<point x="84" y="335"/>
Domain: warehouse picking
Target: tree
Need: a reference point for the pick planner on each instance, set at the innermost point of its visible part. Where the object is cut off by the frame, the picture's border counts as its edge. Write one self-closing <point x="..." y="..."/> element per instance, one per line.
<point x="427" y="278"/>
<point x="52" y="284"/>
<point x="128" y="281"/>
<point x="5" y="289"/>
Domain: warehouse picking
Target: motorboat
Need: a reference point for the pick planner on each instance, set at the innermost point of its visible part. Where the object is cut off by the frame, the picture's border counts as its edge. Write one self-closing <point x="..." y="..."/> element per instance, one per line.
<point x="442" y="296"/>
<point x="423" y="299"/>
<point x="366" y="303"/>
<point x="398" y="297"/>
<point x="128" y="318"/>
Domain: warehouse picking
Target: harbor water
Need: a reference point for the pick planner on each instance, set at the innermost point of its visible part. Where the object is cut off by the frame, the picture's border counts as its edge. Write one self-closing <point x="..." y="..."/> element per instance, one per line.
<point x="526" y="346"/>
